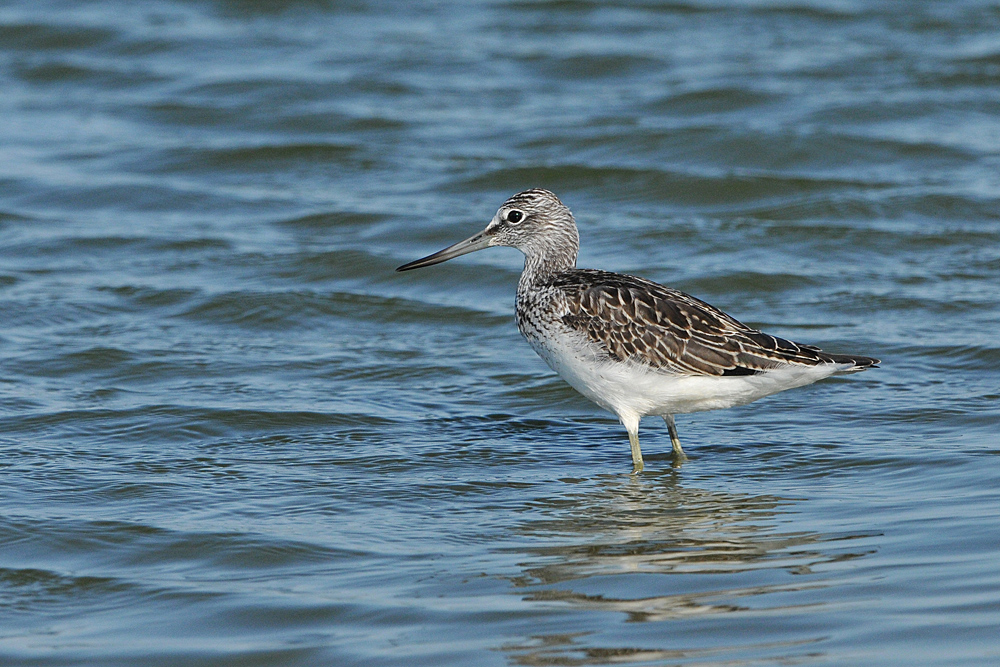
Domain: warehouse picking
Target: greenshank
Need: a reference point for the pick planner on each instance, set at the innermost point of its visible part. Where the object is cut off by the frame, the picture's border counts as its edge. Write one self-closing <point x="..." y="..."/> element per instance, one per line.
<point x="632" y="346"/>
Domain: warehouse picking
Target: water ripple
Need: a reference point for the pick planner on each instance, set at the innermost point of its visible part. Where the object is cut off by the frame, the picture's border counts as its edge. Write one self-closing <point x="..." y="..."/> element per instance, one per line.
<point x="232" y="434"/>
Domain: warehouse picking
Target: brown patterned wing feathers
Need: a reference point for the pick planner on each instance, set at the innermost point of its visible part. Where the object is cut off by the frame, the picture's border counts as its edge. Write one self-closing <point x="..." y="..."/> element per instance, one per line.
<point x="639" y="320"/>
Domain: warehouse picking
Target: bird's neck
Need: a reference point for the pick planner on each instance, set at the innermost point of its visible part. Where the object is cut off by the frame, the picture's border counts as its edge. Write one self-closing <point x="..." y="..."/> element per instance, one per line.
<point x="539" y="267"/>
<point x="543" y="261"/>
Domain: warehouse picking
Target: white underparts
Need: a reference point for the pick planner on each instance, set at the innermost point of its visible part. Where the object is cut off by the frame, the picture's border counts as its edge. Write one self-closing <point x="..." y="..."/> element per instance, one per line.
<point x="633" y="390"/>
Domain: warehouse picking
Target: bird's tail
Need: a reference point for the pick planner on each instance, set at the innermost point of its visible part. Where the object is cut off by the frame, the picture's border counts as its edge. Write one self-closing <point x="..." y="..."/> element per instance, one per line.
<point x="857" y="363"/>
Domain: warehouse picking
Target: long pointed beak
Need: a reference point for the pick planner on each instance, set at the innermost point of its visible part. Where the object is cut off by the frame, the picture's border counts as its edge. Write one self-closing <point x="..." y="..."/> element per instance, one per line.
<point x="471" y="244"/>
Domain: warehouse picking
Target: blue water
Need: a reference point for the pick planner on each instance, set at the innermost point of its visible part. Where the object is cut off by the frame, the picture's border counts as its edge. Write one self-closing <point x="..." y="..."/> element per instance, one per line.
<point x="232" y="435"/>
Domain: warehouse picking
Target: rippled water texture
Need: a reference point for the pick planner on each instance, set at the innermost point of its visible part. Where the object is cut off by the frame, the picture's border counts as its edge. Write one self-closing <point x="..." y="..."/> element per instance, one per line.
<point x="232" y="435"/>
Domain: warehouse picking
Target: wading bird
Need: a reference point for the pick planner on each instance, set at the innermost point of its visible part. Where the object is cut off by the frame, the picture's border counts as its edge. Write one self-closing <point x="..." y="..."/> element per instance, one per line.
<point x="632" y="346"/>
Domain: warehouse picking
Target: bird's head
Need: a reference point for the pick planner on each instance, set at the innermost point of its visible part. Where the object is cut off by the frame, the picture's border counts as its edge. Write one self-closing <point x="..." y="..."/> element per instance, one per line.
<point x="534" y="221"/>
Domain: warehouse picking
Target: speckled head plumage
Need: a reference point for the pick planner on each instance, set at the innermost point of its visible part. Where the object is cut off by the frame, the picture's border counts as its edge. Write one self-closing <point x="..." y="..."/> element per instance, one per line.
<point x="540" y="226"/>
<point x="534" y="221"/>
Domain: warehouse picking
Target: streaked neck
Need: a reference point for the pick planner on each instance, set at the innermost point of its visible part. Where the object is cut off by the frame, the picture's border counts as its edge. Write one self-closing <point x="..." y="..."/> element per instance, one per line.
<point x="546" y="259"/>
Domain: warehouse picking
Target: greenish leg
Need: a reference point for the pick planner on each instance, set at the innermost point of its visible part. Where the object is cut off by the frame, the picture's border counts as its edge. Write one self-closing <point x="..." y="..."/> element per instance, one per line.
<point x="674" y="440"/>
<point x="633" y="439"/>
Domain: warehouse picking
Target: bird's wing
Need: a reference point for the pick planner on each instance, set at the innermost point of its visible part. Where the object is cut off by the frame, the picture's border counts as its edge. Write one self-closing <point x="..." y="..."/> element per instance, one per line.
<point x="639" y="320"/>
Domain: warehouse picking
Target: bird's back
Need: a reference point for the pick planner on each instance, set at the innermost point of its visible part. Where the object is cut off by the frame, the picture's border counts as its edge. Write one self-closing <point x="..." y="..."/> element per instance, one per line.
<point x="630" y="319"/>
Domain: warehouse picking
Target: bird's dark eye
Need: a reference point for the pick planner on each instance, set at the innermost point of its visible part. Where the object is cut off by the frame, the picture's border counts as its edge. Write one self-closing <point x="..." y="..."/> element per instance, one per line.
<point x="515" y="217"/>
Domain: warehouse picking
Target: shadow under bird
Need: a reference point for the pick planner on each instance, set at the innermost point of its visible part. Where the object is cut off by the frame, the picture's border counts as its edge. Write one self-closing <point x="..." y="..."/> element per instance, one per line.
<point x="632" y="346"/>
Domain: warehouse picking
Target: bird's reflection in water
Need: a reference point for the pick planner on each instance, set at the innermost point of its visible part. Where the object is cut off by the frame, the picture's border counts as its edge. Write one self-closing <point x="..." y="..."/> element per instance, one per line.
<point x="682" y="575"/>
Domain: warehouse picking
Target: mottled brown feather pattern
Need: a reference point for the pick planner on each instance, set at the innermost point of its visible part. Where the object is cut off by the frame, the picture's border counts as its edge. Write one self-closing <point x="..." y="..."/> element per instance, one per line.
<point x="638" y="320"/>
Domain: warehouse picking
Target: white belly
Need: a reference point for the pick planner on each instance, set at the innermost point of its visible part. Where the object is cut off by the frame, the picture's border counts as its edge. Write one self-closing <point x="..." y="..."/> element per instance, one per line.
<point x="634" y="390"/>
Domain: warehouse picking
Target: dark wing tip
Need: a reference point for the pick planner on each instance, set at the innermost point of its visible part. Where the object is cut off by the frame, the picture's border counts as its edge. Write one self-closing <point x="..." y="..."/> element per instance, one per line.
<point x="738" y="371"/>
<point x="867" y="362"/>
<point x="860" y="363"/>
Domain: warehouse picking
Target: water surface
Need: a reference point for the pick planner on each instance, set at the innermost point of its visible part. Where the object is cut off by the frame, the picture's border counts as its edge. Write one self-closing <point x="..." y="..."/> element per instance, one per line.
<point x="232" y="435"/>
